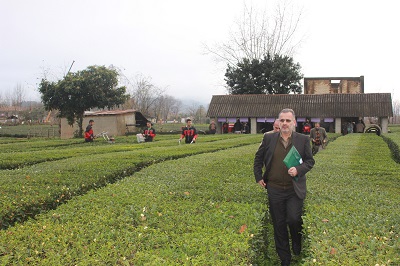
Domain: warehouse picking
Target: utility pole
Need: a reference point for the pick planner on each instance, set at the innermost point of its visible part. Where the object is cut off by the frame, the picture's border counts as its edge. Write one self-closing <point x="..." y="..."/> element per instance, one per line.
<point x="73" y="61"/>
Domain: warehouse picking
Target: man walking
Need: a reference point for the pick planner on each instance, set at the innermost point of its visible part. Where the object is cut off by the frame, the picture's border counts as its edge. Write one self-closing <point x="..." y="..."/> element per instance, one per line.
<point x="285" y="194"/>
<point x="318" y="137"/>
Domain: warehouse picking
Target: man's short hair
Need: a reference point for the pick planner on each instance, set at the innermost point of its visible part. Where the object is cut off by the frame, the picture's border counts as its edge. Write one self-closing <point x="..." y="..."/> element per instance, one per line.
<point x="91" y="120"/>
<point x="187" y="120"/>
<point x="288" y="110"/>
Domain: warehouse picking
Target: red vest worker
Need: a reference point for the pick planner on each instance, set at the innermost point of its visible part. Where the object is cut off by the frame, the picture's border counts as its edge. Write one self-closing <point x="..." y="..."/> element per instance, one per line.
<point x="189" y="133"/>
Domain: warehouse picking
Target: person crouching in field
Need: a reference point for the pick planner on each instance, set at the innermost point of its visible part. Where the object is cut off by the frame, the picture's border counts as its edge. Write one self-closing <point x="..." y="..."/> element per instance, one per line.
<point x="89" y="136"/>
<point x="189" y="133"/>
<point x="149" y="132"/>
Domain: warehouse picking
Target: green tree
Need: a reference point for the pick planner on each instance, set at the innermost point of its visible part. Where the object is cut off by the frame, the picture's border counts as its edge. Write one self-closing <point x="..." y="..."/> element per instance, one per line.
<point x="272" y="75"/>
<point x="94" y="87"/>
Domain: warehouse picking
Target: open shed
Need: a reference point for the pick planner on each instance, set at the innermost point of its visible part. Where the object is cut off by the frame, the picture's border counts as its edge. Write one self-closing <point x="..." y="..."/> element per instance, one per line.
<point x="334" y="109"/>
<point x="115" y="122"/>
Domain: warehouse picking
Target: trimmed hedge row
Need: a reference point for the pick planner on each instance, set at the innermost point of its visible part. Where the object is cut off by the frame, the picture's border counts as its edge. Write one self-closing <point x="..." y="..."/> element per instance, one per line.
<point x="52" y="150"/>
<point x="200" y="210"/>
<point x="206" y="209"/>
<point x="28" y="191"/>
<point x="393" y="141"/>
<point x="36" y="144"/>
<point x="352" y="207"/>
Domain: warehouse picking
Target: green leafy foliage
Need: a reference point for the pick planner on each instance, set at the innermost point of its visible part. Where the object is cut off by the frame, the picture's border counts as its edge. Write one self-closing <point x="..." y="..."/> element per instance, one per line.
<point x="28" y="191"/>
<point x="197" y="210"/>
<point x="94" y="87"/>
<point x="272" y="75"/>
<point x="393" y="141"/>
<point x="352" y="211"/>
<point x="195" y="204"/>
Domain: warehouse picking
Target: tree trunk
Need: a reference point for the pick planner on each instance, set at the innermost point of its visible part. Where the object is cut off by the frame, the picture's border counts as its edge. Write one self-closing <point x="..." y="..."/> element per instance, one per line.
<point x="79" y="120"/>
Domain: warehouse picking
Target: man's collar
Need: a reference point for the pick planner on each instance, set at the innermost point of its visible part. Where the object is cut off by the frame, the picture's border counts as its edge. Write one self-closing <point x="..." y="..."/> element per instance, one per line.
<point x="290" y="135"/>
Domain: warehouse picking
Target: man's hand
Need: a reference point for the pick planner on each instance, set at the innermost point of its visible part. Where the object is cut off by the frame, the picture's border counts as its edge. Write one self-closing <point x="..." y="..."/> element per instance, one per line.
<point x="262" y="183"/>
<point x="292" y="171"/>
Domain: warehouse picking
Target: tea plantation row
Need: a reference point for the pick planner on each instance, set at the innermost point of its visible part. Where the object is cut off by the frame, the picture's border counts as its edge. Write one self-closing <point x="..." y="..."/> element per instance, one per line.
<point x="28" y="191"/>
<point x="352" y="207"/>
<point x="205" y="209"/>
<point x="199" y="210"/>
<point x="21" y="154"/>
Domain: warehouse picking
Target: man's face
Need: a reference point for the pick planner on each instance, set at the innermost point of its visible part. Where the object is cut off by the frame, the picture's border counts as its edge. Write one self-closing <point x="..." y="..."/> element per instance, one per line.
<point x="148" y="124"/>
<point x="189" y="123"/>
<point x="276" y="126"/>
<point x="286" y="122"/>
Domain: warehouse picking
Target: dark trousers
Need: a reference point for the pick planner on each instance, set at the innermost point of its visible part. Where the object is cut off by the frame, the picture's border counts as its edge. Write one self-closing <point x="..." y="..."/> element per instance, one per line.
<point x="315" y="148"/>
<point x="286" y="210"/>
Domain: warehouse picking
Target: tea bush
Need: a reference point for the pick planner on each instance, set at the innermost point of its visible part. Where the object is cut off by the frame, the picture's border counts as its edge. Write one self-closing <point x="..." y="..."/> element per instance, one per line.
<point x="30" y="190"/>
<point x="196" y="205"/>
<point x="200" y="210"/>
<point x="352" y="211"/>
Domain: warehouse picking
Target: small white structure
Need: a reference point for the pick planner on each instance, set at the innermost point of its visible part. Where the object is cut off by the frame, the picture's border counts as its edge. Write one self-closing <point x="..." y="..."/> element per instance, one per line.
<point x="114" y="122"/>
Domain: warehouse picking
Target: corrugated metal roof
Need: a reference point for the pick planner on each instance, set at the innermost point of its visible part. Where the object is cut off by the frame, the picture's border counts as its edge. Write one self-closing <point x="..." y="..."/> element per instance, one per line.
<point x="304" y="105"/>
<point x="110" y="112"/>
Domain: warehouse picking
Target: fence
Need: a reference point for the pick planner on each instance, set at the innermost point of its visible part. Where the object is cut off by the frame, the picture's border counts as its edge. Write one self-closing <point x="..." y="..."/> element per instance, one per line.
<point x="36" y="131"/>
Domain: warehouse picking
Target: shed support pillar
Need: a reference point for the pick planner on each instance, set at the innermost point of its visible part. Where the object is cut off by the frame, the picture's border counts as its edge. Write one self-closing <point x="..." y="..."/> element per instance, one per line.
<point x="384" y="124"/>
<point x="253" y="125"/>
<point x="338" y="125"/>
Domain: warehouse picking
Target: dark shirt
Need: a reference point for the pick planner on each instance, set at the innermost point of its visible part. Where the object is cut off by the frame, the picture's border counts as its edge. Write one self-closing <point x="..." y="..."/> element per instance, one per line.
<point x="238" y="126"/>
<point x="149" y="134"/>
<point x="278" y="174"/>
<point x="189" y="133"/>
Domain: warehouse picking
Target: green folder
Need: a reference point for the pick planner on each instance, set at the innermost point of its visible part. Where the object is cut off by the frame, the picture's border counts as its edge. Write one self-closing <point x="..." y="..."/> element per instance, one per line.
<point x="293" y="158"/>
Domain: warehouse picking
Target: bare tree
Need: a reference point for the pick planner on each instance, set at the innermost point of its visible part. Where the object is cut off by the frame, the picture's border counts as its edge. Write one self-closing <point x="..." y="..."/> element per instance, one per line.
<point x="257" y="34"/>
<point x="169" y="104"/>
<point x="396" y="111"/>
<point x="3" y="101"/>
<point x="157" y="108"/>
<point x="175" y="109"/>
<point x="166" y="108"/>
<point x="18" y="96"/>
<point x="191" y="110"/>
<point x="48" y="73"/>
<point x="145" y="94"/>
<point x="201" y="113"/>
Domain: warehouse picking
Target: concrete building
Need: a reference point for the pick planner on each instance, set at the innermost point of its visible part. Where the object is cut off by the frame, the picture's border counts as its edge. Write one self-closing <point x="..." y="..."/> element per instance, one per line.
<point x="333" y="85"/>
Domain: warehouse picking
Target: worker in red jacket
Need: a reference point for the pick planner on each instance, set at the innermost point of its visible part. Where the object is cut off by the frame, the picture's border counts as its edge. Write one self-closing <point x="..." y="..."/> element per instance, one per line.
<point x="149" y="132"/>
<point x="89" y="136"/>
<point x="189" y="133"/>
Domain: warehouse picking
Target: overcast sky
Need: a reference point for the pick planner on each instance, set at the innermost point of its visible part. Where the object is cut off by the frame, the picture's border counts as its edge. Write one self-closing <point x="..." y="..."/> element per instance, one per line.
<point x="164" y="40"/>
